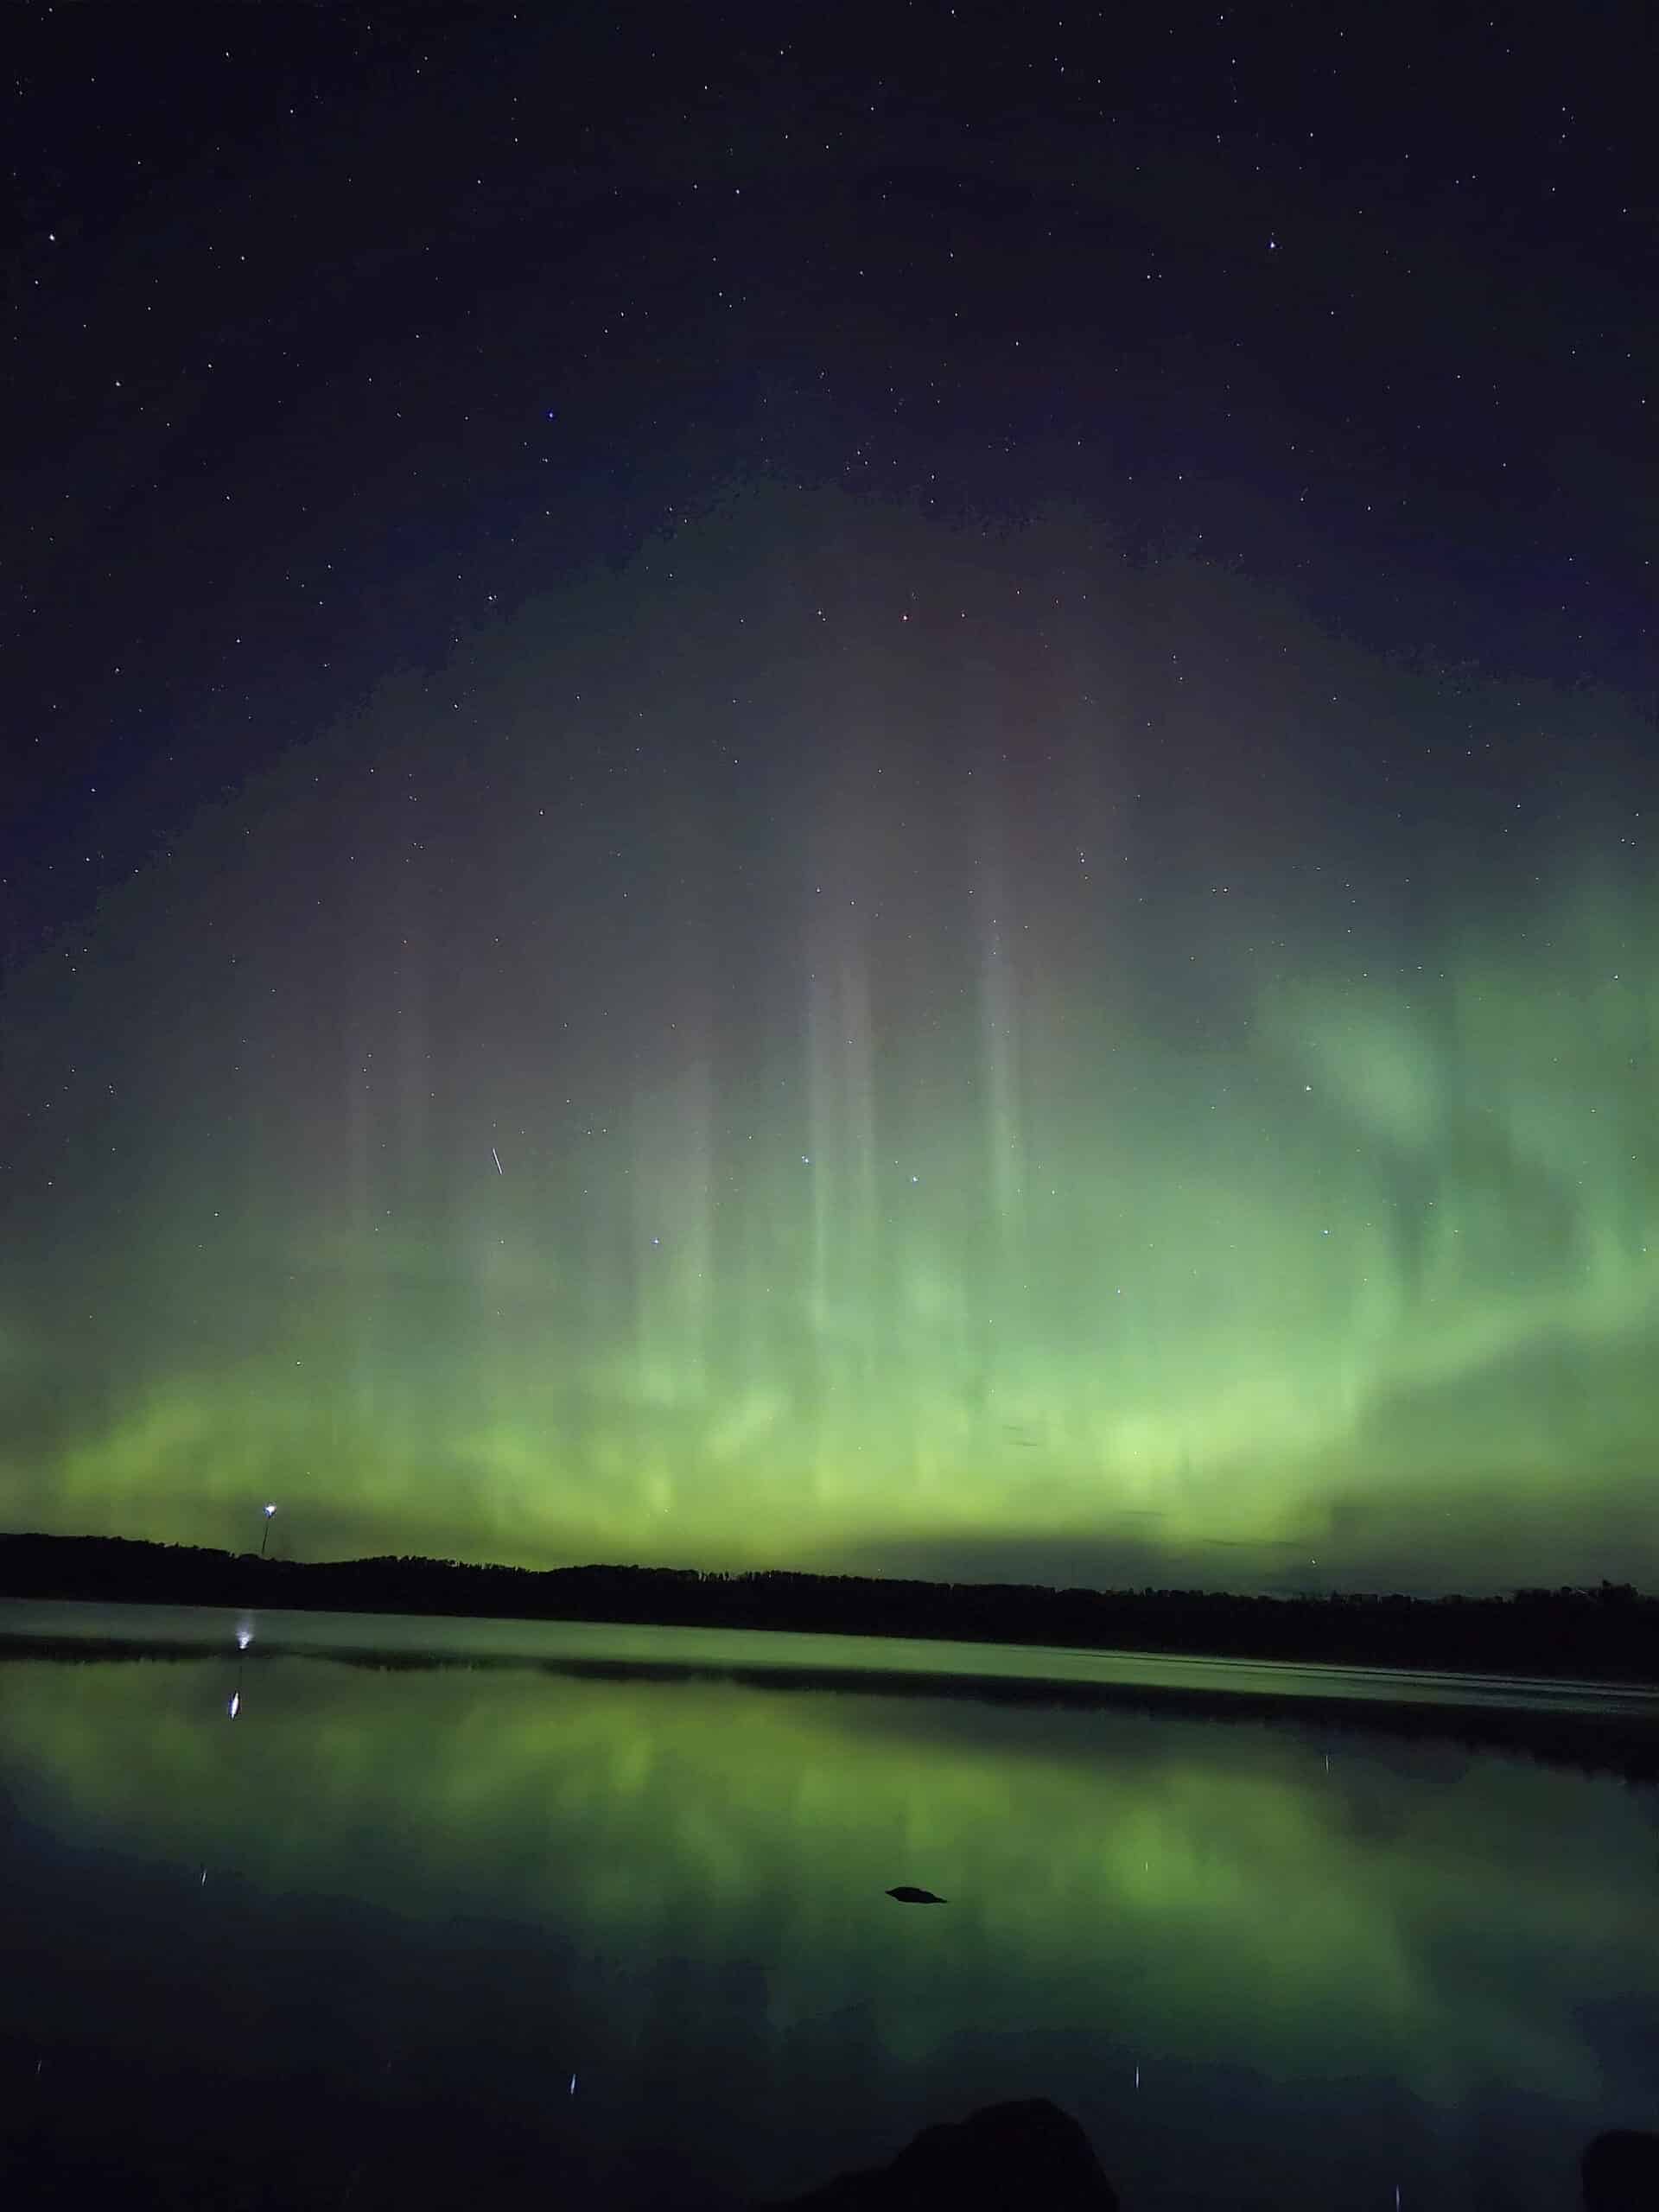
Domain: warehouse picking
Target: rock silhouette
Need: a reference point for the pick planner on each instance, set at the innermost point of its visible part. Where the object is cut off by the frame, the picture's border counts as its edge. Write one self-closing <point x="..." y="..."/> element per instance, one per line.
<point x="1029" y="2157"/>
<point x="1619" y="2171"/>
<point x="906" y="1895"/>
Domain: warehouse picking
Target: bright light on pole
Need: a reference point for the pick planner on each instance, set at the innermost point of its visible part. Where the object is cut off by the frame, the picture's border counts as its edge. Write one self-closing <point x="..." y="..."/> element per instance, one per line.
<point x="265" y="1539"/>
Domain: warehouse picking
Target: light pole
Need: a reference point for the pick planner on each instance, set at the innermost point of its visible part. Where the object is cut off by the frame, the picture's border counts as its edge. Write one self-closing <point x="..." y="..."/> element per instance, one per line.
<point x="265" y="1539"/>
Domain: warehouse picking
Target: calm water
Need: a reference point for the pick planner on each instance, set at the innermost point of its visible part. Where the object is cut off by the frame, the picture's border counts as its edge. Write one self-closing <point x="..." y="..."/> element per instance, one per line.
<point x="597" y="1915"/>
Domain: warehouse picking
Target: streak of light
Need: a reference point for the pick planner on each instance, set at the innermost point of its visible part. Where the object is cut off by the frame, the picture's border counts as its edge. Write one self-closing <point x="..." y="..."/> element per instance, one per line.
<point x="496" y="1157"/>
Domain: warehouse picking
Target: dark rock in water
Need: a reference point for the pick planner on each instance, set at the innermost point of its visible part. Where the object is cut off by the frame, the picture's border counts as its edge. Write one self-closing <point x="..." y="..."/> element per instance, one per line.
<point x="905" y="1895"/>
<point x="1620" y="2171"/>
<point x="1015" y="2157"/>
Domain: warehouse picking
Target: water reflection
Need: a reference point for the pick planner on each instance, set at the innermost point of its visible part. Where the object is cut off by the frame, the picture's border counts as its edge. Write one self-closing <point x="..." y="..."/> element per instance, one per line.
<point x="1321" y="1952"/>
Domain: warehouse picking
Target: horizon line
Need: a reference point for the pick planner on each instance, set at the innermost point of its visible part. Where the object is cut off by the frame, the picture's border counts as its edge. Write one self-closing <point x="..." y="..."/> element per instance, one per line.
<point x="821" y="1574"/>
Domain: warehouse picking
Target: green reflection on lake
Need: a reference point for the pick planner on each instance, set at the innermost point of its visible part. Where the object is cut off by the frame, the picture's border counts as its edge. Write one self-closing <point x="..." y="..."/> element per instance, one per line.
<point x="1124" y="1892"/>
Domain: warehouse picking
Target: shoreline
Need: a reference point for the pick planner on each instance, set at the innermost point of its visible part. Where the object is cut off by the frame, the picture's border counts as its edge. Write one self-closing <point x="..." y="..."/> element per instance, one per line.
<point x="1607" y="1636"/>
<point x="1603" y="1738"/>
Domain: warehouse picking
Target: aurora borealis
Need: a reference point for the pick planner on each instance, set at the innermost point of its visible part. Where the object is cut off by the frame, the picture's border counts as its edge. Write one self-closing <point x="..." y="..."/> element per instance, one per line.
<point x="783" y="799"/>
<point x="966" y="1101"/>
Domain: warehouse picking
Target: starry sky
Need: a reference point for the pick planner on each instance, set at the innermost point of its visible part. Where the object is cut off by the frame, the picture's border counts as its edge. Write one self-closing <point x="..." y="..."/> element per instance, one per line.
<point x="872" y="796"/>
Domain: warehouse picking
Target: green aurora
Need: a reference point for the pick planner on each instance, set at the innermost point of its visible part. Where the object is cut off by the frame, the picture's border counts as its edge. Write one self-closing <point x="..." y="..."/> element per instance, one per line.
<point x="853" y="1044"/>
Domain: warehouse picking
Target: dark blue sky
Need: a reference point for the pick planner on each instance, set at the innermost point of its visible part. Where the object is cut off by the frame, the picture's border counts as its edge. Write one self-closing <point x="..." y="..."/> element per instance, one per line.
<point x="334" y="332"/>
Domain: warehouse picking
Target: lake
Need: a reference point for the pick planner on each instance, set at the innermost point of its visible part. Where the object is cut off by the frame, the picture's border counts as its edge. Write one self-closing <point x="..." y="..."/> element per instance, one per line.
<point x="498" y="1913"/>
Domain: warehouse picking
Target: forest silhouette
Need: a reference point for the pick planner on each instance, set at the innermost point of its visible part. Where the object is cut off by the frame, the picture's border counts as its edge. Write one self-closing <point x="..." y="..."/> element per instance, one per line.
<point x="1609" y="1632"/>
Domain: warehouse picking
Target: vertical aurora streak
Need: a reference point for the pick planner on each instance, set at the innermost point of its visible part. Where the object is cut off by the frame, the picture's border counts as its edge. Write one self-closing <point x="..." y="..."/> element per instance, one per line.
<point x="858" y="1044"/>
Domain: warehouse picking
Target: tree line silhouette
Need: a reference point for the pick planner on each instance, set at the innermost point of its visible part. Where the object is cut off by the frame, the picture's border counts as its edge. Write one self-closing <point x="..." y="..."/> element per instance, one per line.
<point x="1610" y="1631"/>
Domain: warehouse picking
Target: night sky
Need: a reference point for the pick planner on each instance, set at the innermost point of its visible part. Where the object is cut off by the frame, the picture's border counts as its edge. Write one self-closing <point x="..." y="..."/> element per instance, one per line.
<point x="856" y="792"/>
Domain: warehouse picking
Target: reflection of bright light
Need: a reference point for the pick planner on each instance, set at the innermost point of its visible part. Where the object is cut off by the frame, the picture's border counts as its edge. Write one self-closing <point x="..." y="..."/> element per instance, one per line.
<point x="244" y="1638"/>
<point x="236" y="1703"/>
